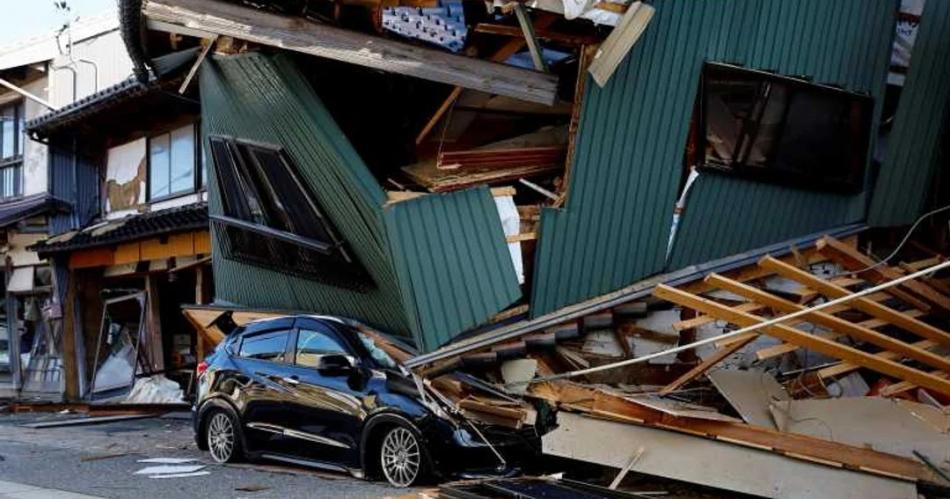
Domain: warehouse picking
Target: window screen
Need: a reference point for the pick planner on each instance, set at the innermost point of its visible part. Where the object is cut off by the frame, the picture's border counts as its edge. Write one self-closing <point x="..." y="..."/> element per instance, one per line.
<point x="312" y="345"/>
<point x="267" y="346"/>
<point x="782" y="129"/>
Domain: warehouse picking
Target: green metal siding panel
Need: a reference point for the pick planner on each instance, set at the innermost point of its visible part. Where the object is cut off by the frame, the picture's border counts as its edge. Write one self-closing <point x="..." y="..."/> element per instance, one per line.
<point x="615" y="225"/>
<point x="440" y="262"/>
<point x="919" y="127"/>
<point x="265" y="99"/>
<point x="428" y="248"/>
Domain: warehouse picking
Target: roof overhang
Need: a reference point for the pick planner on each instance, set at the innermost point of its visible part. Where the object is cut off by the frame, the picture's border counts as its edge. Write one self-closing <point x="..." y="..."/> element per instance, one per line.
<point x="26" y="207"/>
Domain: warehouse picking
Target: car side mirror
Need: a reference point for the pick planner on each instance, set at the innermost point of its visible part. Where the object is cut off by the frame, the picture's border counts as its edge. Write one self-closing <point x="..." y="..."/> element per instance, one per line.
<point x="335" y="363"/>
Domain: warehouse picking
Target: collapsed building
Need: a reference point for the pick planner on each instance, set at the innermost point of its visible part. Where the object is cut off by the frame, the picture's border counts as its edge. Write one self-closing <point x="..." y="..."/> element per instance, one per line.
<point x="542" y="197"/>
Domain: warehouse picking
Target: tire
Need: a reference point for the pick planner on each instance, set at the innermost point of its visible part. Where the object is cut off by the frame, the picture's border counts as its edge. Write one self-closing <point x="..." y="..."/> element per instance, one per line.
<point x="402" y="458"/>
<point x="222" y="435"/>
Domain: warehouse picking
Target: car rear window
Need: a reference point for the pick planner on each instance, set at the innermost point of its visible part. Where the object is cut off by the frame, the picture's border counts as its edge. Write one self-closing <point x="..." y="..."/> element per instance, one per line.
<point x="266" y="346"/>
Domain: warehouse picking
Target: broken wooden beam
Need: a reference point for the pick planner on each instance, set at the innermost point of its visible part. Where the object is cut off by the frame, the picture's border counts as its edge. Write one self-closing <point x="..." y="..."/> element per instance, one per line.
<point x="544" y="34"/>
<point x="831" y="322"/>
<point x="618" y="44"/>
<point x="863" y="304"/>
<point x="309" y="37"/>
<point x="803" y="339"/>
<point x="914" y="293"/>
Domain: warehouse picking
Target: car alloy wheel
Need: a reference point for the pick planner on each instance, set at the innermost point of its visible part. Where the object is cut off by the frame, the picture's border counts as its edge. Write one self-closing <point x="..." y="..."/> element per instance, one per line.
<point x="401" y="457"/>
<point x="221" y="437"/>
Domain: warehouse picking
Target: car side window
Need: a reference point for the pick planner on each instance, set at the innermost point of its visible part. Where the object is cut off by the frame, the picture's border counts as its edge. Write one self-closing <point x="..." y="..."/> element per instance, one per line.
<point x="312" y="345"/>
<point x="270" y="346"/>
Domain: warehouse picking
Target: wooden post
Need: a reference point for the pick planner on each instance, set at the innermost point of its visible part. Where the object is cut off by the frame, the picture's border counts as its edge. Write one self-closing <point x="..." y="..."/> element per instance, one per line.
<point x="153" y="324"/>
<point x="70" y="362"/>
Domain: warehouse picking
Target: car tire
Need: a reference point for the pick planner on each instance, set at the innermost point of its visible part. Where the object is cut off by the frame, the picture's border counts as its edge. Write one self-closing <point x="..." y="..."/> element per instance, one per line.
<point x="222" y="435"/>
<point x="402" y="458"/>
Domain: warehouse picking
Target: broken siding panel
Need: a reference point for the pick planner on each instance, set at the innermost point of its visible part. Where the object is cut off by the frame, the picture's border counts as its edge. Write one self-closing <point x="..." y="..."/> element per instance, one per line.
<point x="919" y="132"/>
<point x="615" y="226"/>
<point x="264" y="98"/>
<point x="452" y="260"/>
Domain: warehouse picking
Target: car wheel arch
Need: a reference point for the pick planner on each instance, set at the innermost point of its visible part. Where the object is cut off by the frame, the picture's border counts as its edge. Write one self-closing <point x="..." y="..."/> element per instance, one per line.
<point x="222" y="404"/>
<point x="372" y="434"/>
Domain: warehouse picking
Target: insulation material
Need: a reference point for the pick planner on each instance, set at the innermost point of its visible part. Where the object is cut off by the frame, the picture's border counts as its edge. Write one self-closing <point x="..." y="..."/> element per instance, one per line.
<point x="125" y="176"/>
<point x="443" y="25"/>
<point x="905" y="36"/>
<point x="511" y="223"/>
<point x="155" y="390"/>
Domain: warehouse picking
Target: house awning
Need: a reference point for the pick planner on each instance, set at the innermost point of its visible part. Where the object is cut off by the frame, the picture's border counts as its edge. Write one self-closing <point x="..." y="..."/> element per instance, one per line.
<point x="13" y="211"/>
<point x="130" y="228"/>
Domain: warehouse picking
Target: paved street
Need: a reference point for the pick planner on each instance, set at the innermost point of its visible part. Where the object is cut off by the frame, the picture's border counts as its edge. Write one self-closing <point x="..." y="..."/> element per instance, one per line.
<point x="100" y="461"/>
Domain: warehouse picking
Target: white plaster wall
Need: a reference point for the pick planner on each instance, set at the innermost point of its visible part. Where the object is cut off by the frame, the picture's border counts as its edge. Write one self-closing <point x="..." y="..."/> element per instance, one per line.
<point x="125" y="178"/>
<point x="35" y="154"/>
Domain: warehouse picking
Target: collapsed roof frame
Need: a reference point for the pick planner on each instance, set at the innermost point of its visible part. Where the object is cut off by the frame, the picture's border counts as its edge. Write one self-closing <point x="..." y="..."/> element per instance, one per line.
<point x="208" y="18"/>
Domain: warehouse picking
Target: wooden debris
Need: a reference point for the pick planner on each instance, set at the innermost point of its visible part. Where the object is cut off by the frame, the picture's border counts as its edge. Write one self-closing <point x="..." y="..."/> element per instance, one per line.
<point x="615" y="48"/>
<point x="301" y="35"/>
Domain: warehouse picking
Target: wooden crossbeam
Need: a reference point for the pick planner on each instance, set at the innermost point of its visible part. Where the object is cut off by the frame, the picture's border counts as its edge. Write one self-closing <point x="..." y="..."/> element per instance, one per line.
<point x="784" y="348"/>
<point x="708" y="363"/>
<point x="845" y="367"/>
<point x="905" y="386"/>
<point x="805" y="340"/>
<point x="914" y="293"/>
<point x="863" y="304"/>
<point x="831" y="322"/>
<point x="309" y="37"/>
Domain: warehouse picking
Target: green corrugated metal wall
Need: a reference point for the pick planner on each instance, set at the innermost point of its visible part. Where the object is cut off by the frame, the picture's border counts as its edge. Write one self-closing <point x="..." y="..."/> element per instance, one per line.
<point x="427" y="253"/>
<point x="615" y="226"/>
<point x="265" y="98"/>
<point x="913" y="151"/>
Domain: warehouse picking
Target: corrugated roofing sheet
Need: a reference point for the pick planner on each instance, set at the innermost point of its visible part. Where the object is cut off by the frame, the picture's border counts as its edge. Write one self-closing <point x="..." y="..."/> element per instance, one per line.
<point x="427" y="249"/>
<point x="615" y="225"/>
<point x="919" y="126"/>
<point x="440" y="240"/>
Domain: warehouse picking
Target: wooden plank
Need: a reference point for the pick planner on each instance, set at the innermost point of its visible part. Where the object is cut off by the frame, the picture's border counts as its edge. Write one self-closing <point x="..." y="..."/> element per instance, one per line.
<point x="544" y="34"/>
<point x="620" y="41"/>
<point x="805" y="340"/>
<point x="784" y="348"/>
<point x="91" y="257"/>
<point x="831" y="322"/>
<point x="619" y="408"/>
<point x="519" y="238"/>
<point x="845" y="367"/>
<point x="507" y="50"/>
<point x="208" y="45"/>
<point x="904" y="386"/>
<point x="863" y="304"/>
<point x="302" y="35"/>
<point x="708" y="363"/>
<point x="70" y="358"/>
<point x="153" y="324"/>
<point x="914" y="293"/>
<point x="534" y="47"/>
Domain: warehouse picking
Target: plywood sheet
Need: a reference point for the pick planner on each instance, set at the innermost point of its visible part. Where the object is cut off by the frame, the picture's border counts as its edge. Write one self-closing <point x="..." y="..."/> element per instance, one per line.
<point x="871" y="422"/>
<point x="713" y="463"/>
<point x="750" y="393"/>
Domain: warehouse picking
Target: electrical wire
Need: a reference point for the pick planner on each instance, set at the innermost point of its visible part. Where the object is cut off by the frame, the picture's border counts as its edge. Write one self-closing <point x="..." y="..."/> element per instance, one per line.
<point x="903" y="241"/>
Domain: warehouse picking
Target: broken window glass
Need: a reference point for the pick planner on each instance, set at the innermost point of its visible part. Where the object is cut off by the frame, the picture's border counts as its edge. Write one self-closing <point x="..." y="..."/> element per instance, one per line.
<point x="781" y="129"/>
<point x="118" y="357"/>
<point x="271" y="219"/>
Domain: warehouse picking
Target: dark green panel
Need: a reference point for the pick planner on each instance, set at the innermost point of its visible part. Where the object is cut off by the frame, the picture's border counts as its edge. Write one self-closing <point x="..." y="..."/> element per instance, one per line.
<point x="265" y="99"/>
<point x="428" y="251"/>
<point x="440" y="262"/>
<point x="615" y="226"/>
<point x="919" y="126"/>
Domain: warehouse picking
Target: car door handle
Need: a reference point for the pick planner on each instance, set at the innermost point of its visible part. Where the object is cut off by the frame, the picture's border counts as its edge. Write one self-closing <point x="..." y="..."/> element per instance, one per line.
<point x="293" y="380"/>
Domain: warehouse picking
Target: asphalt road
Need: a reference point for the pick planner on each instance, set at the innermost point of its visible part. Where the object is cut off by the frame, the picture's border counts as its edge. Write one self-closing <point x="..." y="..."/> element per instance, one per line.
<point x="101" y="460"/>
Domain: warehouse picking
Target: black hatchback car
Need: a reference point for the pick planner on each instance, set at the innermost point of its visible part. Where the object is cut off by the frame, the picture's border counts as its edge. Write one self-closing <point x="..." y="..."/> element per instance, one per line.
<point x="317" y="391"/>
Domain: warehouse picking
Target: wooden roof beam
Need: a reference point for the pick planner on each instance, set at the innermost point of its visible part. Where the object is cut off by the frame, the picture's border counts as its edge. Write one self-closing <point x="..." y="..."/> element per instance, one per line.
<point x="309" y="37"/>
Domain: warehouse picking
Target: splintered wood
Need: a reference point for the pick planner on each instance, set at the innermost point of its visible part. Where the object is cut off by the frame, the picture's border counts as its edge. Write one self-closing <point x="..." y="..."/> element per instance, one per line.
<point x="887" y="331"/>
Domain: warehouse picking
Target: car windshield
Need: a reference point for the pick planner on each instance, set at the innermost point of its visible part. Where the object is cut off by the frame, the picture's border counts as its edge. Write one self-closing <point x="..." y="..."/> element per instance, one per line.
<point x="381" y="357"/>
